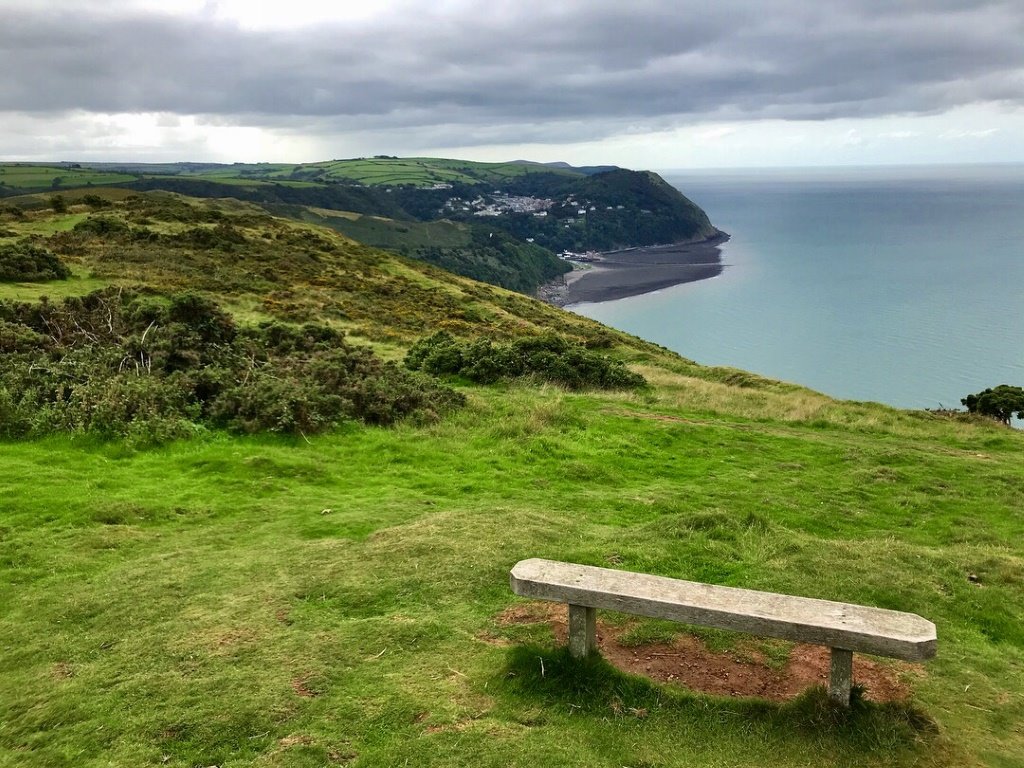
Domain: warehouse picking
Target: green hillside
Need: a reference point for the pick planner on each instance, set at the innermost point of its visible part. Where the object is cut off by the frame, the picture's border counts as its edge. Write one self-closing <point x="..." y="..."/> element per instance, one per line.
<point x="382" y="232"/>
<point x="273" y="267"/>
<point x="284" y="598"/>
<point x="465" y="248"/>
<point x="435" y="209"/>
<point x="370" y="171"/>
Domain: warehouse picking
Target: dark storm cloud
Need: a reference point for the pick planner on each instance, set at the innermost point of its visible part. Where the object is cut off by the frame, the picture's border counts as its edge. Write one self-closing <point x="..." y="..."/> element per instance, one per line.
<point x="580" y="68"/>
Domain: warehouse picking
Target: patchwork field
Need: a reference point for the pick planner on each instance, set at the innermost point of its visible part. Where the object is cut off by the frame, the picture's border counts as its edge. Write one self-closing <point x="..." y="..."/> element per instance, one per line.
<point x="33" y="177"/>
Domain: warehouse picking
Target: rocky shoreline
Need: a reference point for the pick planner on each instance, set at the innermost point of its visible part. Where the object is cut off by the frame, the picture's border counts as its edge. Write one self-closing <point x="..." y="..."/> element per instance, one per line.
<point x="634" y="271"/>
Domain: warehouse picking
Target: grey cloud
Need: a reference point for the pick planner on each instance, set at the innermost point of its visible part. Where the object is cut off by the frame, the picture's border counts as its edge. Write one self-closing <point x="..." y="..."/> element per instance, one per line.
<point x="545" y="71"/>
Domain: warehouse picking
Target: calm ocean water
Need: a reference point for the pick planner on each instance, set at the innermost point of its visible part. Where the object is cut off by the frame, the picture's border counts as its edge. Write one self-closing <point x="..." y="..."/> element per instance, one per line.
<point x="899" y="285"/>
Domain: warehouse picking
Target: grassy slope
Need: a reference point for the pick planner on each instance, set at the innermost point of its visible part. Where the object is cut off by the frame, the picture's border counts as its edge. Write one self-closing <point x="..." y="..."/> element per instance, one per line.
<point x="262" y="602"/>
<point x="389" y="233"/>
<point x="285" y="269"/>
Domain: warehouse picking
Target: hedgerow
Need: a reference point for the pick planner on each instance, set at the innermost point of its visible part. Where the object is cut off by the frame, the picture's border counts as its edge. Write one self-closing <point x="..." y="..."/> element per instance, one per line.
<point x="548" y="358"/>
<point x="148" y="367"/>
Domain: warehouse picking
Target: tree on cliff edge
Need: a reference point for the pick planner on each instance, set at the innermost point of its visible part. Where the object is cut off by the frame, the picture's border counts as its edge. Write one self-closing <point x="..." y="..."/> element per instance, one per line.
<point x="1000" y="403"/>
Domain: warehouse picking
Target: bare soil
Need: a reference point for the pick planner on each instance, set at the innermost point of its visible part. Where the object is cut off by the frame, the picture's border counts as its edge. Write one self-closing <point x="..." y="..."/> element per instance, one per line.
<point x="741" y="671"/>
<point x="301" y="688"/>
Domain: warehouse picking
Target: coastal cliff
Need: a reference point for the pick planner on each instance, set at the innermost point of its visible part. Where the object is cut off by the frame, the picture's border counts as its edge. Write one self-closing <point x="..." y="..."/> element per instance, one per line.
<point x="502" y="223"/>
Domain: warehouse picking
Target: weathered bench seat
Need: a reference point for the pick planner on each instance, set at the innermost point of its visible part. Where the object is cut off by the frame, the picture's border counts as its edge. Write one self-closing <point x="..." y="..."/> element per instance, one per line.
<point x="843" y="627"/>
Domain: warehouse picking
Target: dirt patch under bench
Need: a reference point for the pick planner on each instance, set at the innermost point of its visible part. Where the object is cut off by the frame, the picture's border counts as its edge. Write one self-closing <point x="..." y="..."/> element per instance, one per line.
<point x="742" y="671"/>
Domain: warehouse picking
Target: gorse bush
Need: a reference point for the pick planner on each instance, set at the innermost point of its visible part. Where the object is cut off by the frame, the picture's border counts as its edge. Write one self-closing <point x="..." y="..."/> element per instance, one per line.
<point x="24" y="262"/>
<point x="103" y="226"/>
<point x="548" y="358"/>
<point x="149" y="367"/>
<point x="96" y="202"/>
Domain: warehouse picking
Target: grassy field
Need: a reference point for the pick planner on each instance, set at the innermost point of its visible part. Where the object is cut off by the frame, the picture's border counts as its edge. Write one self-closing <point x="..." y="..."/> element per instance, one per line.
<point x="379" y="171"/>
<point x="344" y="599"/>
<point x="246" y="601"/>
<point x="413" y="171"/>
<point x="35" y="177"/>
<point x="417" y="172"/>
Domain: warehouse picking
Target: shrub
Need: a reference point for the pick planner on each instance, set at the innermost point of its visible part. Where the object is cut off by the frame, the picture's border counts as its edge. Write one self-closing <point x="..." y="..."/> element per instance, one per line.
<point x="147" y="368"/>
<point x="96" y="202"/>
<point x="548" y="358"/>
<point x="221" y="237"/>
<point x="15" y="337"/>
<point x="1000" y="403"/>
<point x="24" y="262"/>
<point x="266" y="401"/>
<point x="438" y="354"/>
<point x="106" y="226"/>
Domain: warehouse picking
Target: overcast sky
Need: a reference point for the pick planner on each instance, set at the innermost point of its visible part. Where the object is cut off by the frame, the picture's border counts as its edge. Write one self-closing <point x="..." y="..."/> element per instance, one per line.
<point x="641" y="83"/>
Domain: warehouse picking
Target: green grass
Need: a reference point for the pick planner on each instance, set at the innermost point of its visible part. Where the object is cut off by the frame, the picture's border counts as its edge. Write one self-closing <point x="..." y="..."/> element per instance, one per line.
<point x="21" y="176"/>
<point x="79" y="284"/>
<point x="257" y="601"/>
<point x="51" y="224"/>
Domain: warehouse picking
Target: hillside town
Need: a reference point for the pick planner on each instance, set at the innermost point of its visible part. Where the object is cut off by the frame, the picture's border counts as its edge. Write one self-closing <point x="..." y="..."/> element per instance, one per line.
<point x="499" y="203"/>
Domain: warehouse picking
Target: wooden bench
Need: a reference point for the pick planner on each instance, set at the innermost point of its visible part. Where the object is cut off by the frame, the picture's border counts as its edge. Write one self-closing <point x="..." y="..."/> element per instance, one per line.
<point x="843" y="627"/>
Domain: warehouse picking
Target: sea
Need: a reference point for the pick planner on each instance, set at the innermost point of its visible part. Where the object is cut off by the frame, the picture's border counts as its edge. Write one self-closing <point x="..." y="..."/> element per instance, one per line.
<point x="901" y="285"/>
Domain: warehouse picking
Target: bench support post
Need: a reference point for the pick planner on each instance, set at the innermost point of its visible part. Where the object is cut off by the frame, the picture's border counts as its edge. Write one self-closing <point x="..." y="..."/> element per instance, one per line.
<point x="582" y="630"/>
<point x="840" y="676"/>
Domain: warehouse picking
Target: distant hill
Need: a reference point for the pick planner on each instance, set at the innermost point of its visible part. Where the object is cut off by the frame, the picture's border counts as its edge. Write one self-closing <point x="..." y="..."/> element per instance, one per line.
<point x="589" y="170"/>
<point x="372" y="172"/>
<point x="501" y="223"/>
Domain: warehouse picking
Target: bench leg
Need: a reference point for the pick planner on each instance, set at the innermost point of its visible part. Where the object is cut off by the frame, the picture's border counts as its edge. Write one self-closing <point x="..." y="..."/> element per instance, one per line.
<point x="841" y="676"/>
<point x="582" y="630"/>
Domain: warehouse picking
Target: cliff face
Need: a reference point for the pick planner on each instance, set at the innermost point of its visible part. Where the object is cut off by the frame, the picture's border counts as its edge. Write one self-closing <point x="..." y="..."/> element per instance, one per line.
<point x="652" y="212"/>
